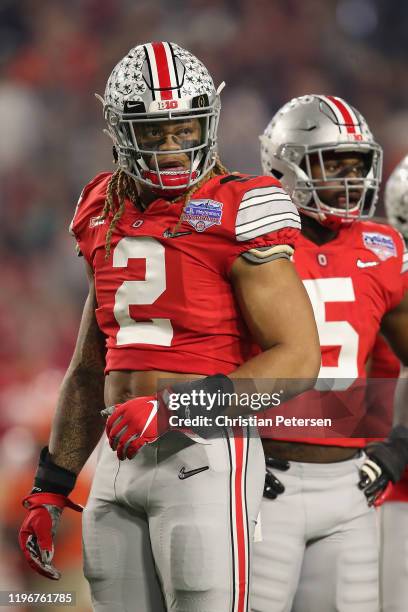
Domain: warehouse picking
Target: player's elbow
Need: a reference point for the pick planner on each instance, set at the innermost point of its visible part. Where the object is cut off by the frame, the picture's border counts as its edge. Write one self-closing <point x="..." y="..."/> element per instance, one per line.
<point x="306" y="365"/>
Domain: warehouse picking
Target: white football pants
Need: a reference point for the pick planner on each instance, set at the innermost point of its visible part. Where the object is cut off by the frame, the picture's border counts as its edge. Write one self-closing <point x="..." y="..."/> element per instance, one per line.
<point x="319" y="548"/>
<point x="162" y="534"/>
<point x="394" y="557"/>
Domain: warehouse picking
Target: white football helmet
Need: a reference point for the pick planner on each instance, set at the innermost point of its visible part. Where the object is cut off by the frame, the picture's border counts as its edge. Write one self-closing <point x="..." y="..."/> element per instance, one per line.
<point x="396" y="198"/>
<point x="154" y="83"/>
<point x="320" y="125"/>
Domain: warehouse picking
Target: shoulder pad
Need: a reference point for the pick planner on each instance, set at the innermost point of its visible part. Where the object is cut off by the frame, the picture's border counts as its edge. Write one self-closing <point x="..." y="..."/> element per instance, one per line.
<point x="253" y="205"/>
<point x="258" y="217"/>
<point x="264" y="207"/>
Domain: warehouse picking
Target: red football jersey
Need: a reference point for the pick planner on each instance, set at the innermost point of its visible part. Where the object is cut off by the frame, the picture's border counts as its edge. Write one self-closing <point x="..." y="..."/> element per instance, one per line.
<point x="165" y="300"/>
<point x="352" y="282"/>
<point x="384" y="364"/>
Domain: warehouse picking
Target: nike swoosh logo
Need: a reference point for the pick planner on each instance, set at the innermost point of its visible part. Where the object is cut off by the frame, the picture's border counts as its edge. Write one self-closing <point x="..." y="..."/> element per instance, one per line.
<point x="366" y="264"/>
<point x="183" y="474"/>
<point x="131" y="105"/>
<point x="168" y="234"/>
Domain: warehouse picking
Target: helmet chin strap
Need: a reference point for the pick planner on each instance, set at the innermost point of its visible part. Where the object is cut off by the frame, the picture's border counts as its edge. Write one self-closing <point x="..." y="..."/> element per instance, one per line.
<point x="334" y="222"/>
<point x="330" y="220"/>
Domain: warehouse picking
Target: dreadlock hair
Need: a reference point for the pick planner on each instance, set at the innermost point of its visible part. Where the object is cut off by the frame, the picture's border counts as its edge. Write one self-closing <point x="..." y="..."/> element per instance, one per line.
<point x="122" y="186"/>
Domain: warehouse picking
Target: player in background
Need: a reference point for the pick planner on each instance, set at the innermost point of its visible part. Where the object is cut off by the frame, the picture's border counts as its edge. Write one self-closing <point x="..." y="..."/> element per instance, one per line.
<point x="384" y="364"/>
<point x="318" y="523"/>
<point x="181" y="264"/>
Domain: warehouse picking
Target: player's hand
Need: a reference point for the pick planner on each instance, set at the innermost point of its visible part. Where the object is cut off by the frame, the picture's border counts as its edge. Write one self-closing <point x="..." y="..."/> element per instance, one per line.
<point x="273" y="486"/>
<point x="36" y="537"/>
<point x="132" y="424"/>
<point x="373" y="481"/>
<point x="143" y="420"/>
<point x="385" y="464"/>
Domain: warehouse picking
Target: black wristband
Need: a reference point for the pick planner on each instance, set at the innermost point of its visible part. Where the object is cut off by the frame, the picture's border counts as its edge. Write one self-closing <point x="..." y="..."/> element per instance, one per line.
<point x="52" y="478"/>
<point x="218" y="387"/>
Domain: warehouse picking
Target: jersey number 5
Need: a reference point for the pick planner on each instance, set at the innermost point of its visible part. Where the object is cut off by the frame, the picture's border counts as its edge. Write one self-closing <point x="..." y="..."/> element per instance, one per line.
<point x="335" y="333"/>
<point x="133" y="292"/>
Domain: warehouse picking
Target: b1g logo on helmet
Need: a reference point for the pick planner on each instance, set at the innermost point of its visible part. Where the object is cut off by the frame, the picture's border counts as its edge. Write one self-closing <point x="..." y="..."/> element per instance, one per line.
<point x="159" y="105"/>
<point x="202" y="214"/>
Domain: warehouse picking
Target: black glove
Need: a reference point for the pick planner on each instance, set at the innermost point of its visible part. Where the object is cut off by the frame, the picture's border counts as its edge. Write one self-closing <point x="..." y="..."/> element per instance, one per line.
<point x="386" y="463"/>
<point x="273" y="486"/>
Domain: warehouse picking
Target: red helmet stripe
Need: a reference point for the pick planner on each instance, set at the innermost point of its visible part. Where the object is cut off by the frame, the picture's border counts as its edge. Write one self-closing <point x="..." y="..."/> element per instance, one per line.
<point x="163" y="71"/>
<point x="354" y="117"/>
<point x="345" y="113"/>
<point x="171" y="63"/>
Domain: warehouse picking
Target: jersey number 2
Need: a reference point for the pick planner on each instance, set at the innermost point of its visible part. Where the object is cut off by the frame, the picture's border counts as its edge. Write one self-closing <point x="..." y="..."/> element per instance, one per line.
<point x="133" y="292"/>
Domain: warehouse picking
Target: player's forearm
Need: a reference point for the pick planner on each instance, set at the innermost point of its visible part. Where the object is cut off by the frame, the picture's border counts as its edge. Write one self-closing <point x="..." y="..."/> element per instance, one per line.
<point x="77" y="425"/>
<point x="280" y="368"/>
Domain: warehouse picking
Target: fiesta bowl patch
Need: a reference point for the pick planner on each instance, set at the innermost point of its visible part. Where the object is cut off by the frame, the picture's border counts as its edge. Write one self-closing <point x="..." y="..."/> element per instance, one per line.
<point x="382" y="245"/>
<point x="202" y="214"/>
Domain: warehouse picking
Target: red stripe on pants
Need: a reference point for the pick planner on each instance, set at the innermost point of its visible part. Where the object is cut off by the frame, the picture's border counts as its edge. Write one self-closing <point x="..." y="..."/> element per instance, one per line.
<point x="240" y="520"/>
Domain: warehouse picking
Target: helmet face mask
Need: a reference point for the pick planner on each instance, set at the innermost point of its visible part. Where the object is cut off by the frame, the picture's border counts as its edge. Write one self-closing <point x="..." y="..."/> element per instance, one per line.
<point x="160" y="85"/>
<point x="306" y="133"/>
<point x="347" y="193"/>
<point x="135" y="155"/>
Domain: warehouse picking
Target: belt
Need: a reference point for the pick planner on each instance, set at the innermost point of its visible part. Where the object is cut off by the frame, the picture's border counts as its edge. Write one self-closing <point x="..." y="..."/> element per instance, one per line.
<point x="307" y="453"/>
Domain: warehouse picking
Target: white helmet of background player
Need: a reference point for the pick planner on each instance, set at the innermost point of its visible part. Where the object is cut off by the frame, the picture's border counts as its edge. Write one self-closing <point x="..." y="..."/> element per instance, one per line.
<point x="316" y="126"/>
<point x="154" y="83"/>
<point x="396" y="198"/>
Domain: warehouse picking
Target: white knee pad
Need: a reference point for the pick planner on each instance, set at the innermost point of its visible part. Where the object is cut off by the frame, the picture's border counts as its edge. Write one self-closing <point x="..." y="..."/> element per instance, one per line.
<point x="195" y="562"/>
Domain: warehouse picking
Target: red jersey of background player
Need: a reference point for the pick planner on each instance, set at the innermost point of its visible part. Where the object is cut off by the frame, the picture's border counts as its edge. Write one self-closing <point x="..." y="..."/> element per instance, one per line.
<point x="164" y="299"/>
<point x="352" y="281"/>
<point x="384" y="364"/>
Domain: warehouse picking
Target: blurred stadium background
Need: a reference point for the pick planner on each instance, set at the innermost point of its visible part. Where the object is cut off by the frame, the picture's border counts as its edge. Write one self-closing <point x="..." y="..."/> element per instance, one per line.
<point x="53" y="56"/>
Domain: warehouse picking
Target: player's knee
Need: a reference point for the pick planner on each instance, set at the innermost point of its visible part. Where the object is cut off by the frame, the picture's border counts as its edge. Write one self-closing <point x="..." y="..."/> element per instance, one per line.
<point x="196" y="560"/>
<point x="358" y="576"/>
<point x="101" y="550"/>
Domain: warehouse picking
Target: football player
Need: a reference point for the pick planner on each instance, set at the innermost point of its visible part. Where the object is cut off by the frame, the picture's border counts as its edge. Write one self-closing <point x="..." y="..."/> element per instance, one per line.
<point x="319" y="536"/>
<point x="384" y="364"/>
<point x="183" y="260"/>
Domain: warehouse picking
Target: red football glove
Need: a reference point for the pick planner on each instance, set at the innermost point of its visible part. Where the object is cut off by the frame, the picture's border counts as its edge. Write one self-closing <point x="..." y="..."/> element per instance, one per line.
<point x="143" y="420"/>
<point x="133" y="424"/>
<point x="39" y="528"/>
